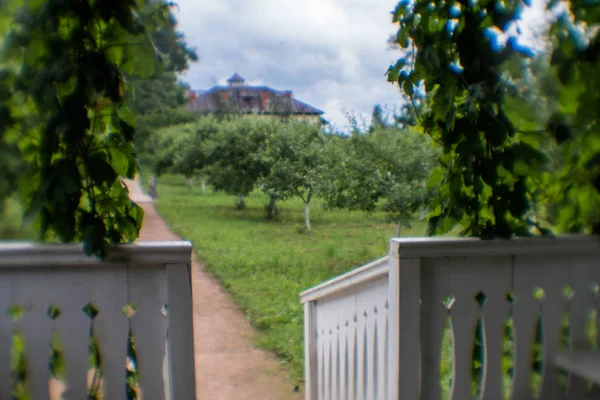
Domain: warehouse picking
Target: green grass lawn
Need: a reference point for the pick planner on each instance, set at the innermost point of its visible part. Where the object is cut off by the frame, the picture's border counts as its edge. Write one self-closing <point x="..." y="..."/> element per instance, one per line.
<point x="266" y="264"/>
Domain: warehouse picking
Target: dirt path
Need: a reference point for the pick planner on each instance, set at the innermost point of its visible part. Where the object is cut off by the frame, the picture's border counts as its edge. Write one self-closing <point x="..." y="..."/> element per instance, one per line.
<point x="227" y="365"/>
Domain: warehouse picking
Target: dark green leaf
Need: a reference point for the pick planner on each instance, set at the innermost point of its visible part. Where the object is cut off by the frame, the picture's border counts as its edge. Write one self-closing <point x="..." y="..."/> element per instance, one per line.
<point x="100" y="171"/>
<point x="127" y="130"/>
<point x="408" y="88"/>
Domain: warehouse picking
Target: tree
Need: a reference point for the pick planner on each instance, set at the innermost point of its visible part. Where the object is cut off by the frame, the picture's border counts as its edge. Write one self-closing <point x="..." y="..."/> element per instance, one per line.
<point x="294" y="158"/>
<point x="157" y="93"/>
<point x="162" y="90"/>
<point x="385" y="166"/>
<point x="408" y="158"/>
<point x="62" y="107"/>
<point x="148" y="136"/>
<point x="182" y="148"/>
<point x="189" y="155"/>
<point x="492" y="166"/>
<point x="233" y="167"/>
<point x="377" y="117"/>
<point x="157" y="100"/>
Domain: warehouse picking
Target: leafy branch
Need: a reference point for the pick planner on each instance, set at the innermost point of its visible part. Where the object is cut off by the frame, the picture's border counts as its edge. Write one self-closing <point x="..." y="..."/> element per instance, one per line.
<point x="71" y="86"/>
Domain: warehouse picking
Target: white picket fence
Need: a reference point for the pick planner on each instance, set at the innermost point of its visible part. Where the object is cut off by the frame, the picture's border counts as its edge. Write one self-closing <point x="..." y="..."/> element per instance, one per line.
<point x="151" y="278"/>
<point x="377" y="332"/>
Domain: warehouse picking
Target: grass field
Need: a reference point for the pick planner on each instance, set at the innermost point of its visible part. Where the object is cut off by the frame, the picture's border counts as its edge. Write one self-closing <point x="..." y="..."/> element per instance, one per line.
<point x="266" y="264"/>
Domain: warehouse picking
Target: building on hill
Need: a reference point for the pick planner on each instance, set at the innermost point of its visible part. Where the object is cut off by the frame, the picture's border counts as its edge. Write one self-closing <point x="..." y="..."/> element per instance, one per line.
<point x="238" y="97"/>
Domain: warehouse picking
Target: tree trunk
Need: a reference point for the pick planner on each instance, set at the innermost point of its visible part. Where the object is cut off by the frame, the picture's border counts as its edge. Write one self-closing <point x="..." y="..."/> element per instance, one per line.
<point x="272" y="207"/>
<point x="240" y="204"/>
<point x="307" y="215"/>
<point x="189" y="181"/>
<point x="203" y="185"/>
<point x="398" y="228"/>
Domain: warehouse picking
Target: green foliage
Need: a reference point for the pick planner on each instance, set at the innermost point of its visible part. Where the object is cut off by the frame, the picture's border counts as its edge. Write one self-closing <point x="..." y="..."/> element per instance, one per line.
<point x="295" y="163"/>
<point x="575" y="124"/>
<point x="386" y="166"/>
<point x="286" y="158"/>
<point x="480" y="189"/>
<point x="181" y="148"/>
<point x="12" y="224"/>
<point x="11" y="166"/>
<point x="222" y="151"/>
<point x="162" y="90"/>
<point x="295" y="159"/>
<point x="157" y="93"/>
<point x="234" y="167"/>
<point x="62" y="89"/>
<point x="499" y="166"/>
<point x="148" y="129"/>
<point x="266" y="264"/>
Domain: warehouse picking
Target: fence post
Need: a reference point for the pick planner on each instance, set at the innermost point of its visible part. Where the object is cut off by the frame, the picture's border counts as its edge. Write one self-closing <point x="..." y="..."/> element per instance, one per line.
<point x="404" y="300"/>
<point x="394" y="335"/>
<point x="181" y="332"/>
<point x="310" y="351"/>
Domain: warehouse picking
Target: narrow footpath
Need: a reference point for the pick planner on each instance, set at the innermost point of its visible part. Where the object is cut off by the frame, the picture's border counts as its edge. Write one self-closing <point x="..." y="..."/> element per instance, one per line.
<point x="228" y="366"/>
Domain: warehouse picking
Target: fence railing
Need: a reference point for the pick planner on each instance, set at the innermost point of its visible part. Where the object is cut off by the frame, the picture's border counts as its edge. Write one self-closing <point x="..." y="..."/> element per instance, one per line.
<point x="138" y="298"/>
<point x="414" y="325"/>
<point x="346" y="330"/>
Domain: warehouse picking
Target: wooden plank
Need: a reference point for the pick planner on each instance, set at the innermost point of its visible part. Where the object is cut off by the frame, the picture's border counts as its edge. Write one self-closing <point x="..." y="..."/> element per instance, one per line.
<point x="148" y="291"/>
<point x="594" y="274"/>
<point x="425" y="247"/>
<point x="353" y="360"/>
<point x="366" y="299"/>
<point x="344" y="364"/>
<point x="327" y="365"/>
<point x="6" y="282"/>
<point x="525" y="312"/>
<point x="393" y="377"/>
<point x="405" y="329"/>
<point x="182" y="374"/>
<point x="108" y="293"/>
<point x="346" y="323"/>
<point x="33" y="255"/>
<point x="310" y="352"/>
<point x="361" y="361"/>
<point x="579" y="307"/>
<point x="381" y="352"/>
<point x="167" y="372"/>
<point x="347" y="281"/>
<point x="71" y="293"/>
<point x="320" y="358"/>
<point x="554" y="306"/>
<point x="335" y="363"/>
<point x="551" y="274"/>
<point x="324" y="326"/>
<point x="386" y="360"/>
<point x="371" y="325"/>
<point x="583" y="363"/>
<point x="495" y="283"/>
<point x="435" y="277"/>
<point x="33" y="290"/>
<point x="464" y="313"/>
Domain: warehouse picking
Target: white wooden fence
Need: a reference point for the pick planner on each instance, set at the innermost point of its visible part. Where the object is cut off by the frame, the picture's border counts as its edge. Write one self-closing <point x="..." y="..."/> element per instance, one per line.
<point x="152" y="279"/>
<point x="378" y="331"/>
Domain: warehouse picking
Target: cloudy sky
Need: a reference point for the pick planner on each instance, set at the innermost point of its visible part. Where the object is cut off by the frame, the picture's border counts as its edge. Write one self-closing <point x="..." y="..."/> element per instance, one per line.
<point x="331" y="53"/>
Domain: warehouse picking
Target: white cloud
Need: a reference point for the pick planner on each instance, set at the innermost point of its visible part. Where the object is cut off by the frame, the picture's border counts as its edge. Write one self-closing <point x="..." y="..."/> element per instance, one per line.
<point x="331" y="53"/>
